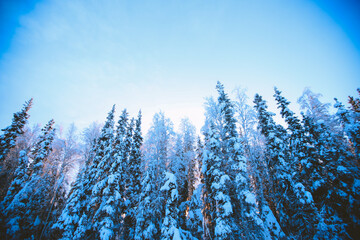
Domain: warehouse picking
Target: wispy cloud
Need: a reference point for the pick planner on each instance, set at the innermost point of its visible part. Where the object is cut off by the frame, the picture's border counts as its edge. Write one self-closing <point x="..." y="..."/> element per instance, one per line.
<point x="77" y="58"/>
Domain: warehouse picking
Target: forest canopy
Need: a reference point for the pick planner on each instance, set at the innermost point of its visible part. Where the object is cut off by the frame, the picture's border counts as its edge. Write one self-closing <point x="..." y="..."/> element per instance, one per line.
<point x="246" y="176"/>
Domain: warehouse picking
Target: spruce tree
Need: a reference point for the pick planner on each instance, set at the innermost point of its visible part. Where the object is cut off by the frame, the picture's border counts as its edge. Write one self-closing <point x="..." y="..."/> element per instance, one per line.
<point x="95" y="180"/>
<point x="147" y="223"/>
<point x="298" y="143"/>
<point x="293" y="204"/>
<point x="336" y="182"/>
<point x="26" y="214"/>
<point x="253" y="145"/>
<point x="8" y="139"/>
<point x="108" y="220"/>
<point x="321" y="178"/>
<point x="251" y="225"/>
<point x="218" y="206"/>
<point x="20" y="178"/>
<point x="225" y="171"/>
<point x="134" y="176"/>
<point x="170" y="226"/>
<point x="128" y="183"/>
<point x="301" y="149"/>
<point x="156" y="157"/>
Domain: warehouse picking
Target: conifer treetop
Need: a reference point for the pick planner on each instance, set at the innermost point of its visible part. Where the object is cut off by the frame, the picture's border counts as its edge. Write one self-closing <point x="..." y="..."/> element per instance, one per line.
<point x="8" y="139"/>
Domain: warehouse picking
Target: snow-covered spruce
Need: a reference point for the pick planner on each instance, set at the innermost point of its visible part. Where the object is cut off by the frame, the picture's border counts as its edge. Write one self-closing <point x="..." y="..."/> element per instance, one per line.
<point x="26" y="213"/>
<point x="21" y="176"/>
<point x="170" y="225"/>
<point x="226" y="183"/>
<point x="295" y="210"/>
<point x="156" y="157"/>
<point x="133" y="174"/>
<point x="8" y="139"/>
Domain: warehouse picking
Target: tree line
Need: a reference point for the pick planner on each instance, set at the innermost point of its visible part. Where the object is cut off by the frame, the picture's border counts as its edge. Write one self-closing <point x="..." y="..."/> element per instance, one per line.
<point x="245" y="177"/>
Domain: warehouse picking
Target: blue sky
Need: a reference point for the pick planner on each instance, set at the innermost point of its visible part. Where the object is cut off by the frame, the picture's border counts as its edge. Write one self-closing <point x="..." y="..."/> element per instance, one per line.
<point x="78" y="57"/>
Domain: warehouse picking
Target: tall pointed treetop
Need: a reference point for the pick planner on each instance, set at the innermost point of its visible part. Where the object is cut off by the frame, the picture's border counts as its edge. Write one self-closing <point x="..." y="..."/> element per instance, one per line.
<point x="8" y="139"/>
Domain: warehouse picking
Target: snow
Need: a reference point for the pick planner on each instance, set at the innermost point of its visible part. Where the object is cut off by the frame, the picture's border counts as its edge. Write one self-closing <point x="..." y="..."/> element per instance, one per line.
<point x="240" y="178"/>
<point x="37" y="221"/>
<point x="223" y="179"/>
<point x="303" y="195"/>
<point x="109" y="209"/>
<point x="38" y="165"/>
<point x="250" y="198"/>
<point x="272" y="223"/>
<point x="98" y="187"/>
<point x="221" y="228"/>
<point x="308" y="197"/>
<point x="227" y="208"/>
<point x="171" y="179"/>
<point x="148" y="232"/>
<point x="111" y="179"/>
<point x="215" y="185"/>
<point x="356" y="186"/>
<point x="242" y="166"/>
<point x="317" y="184"/>
<point x="214" y="142"/>
<point x="105" y="233"/>
<point x="191" y="214"/>
<point x="342" y="169"/>
<point x="237" y="146"/>
<point x="277" y="141"/>
<point x="166" y="220"/>
<point x="341" y="193"/>
<point x="220" y="196"/>
<point x="174" y="194"/>
<point x="117" y="195"/>
<point x="22" y="153"/>
<point x="215" y="169"/>
<point x="14" y="223"/>
<point x="271" y="135"/>
<point x="176" y="234"/>
<point x="216" y="172"/>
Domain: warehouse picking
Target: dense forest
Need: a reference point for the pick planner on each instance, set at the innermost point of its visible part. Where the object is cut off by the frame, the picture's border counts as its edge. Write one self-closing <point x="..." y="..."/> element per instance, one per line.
<point x="245" y="177"/>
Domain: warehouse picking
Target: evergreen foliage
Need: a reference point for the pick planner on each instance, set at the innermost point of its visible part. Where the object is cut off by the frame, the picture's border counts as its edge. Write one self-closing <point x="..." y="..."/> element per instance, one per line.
<point x="134" y="179"/>
<point x="8" y="139"/>
<point x="26" y="214"/>
<point x="170" y="225"/>
<point x="156" y="159"/>
<point x="247" y="177"/>
<point x="227" y="185"/>
<point x="21" y="176"/>
<point x="293" y="204"/>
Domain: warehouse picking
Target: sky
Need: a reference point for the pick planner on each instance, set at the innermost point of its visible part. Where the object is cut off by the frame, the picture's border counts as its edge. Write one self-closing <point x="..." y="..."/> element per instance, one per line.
<point x="77" y="58"/>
